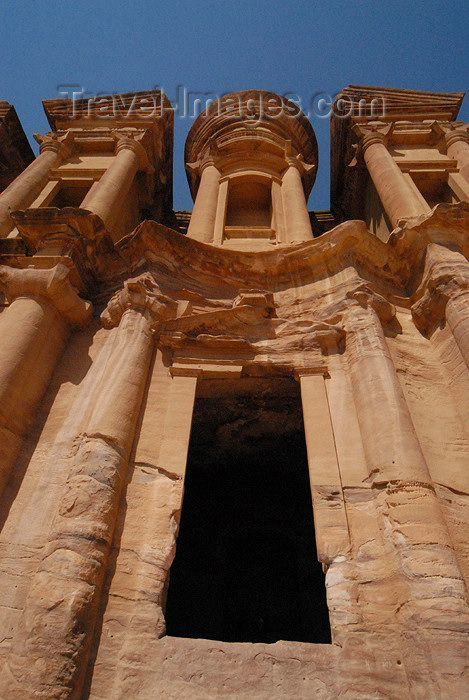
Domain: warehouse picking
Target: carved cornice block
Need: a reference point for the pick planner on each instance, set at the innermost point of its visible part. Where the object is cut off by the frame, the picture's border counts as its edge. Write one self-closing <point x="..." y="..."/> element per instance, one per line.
<point x="71" y="234"/>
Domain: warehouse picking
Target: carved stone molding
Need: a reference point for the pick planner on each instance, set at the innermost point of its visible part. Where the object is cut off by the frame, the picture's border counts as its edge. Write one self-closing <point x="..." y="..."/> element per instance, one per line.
<point x="362" y="296"/>
<point x="316" y="335"/>
<point x="69" y="233"/>
<point x="237" y="327"/>
<point x="446" y="279"/>
<point x="53" y="285"/>
<point x="256" y="297"/>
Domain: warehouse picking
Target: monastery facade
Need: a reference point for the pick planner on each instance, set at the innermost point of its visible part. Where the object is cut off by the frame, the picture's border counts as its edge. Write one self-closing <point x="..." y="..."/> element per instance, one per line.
<point x="234" y="443"/>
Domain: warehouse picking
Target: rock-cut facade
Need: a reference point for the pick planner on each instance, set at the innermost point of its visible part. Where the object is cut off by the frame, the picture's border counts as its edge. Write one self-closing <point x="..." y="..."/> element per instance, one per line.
<point x="234" y="442"/>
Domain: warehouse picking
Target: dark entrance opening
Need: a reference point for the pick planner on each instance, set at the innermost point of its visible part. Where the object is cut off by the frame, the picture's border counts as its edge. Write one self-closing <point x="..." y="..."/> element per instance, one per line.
<point x="246" y="568"/>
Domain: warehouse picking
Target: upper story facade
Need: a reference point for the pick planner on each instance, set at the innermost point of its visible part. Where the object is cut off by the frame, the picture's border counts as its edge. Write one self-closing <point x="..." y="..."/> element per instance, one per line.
<point x="251" y="160"/>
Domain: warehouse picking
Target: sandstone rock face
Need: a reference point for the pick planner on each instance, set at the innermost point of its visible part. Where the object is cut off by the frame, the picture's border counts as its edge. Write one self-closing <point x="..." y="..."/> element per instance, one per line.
<point x="293" y="408"/>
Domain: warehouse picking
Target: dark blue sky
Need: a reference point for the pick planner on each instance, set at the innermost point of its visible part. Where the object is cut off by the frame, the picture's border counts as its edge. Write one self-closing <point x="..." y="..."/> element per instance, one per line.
<point x="303" y="47"/>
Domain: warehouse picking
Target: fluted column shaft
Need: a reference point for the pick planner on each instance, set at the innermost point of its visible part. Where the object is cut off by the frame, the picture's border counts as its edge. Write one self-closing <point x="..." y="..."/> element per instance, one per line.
<point x="56" y="630"/>
<point x="202" y="222"/>
<point x="397" y="198"/>
<point x="106" y="195"/>
<point x="413" y="522"/>
<point x="33" y="330"/>
<point x="297" y="223"/>
<point x="26" y="187"/>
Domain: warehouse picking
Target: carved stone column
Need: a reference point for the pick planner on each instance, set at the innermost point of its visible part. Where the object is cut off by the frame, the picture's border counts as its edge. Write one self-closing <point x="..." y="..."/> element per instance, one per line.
<point x="52" y="645"/>
<point x="26" y="187"/>
<point x="397" y="197"/>
<point x="33" y="330"/>
<point x="457" y="146"/>
<point x="202" y="223"/>
<point x="426" y="568"/>
<point x="298" y="225"/>
<point x="106" y="195"/>
<point x="446" y="295"/>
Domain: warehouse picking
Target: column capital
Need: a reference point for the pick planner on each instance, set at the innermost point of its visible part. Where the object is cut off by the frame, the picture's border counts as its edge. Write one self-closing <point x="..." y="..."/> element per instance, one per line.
<point x="140" y="294"/>
<point x="61" y="143"/>
<point x="53" y="285"/>
<point x="365" y="297"/>
<point x="298" y="162"/>
<point x="451" y="132"/>
<point x="372" y="133"/>
<point x="361" y="296"/>
<point x="442" y="286"/>
<point x="312" y="371"/>
<point x="133" y="142"/>
<point x="199" y="165"/>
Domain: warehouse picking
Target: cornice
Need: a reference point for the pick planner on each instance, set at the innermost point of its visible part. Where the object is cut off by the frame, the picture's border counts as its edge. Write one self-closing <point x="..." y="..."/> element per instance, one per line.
<point x="76" y="237"/>
<point x="392" y="266"/>
<point x="155" y="245"/>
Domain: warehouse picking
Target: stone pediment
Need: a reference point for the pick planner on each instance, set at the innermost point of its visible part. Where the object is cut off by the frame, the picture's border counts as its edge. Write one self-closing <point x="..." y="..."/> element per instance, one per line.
<point x="249" y="330"/>
<point x="175" y="256"/>
<point x="181" y="260"/>
<point x="406" y="103"/>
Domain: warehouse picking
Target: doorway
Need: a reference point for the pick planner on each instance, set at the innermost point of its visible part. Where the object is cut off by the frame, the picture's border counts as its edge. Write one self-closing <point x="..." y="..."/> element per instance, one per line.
<point x="246" y="568"/>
